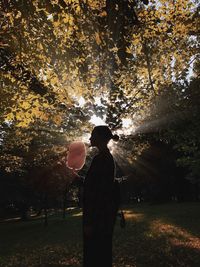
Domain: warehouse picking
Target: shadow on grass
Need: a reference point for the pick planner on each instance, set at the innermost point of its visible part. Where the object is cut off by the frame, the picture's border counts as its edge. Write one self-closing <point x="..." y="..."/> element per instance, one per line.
<point x="58" y="244"/>
<point x="150" y="239"/>
<point x="153" y="240"/>
<point x="185" y="215"/>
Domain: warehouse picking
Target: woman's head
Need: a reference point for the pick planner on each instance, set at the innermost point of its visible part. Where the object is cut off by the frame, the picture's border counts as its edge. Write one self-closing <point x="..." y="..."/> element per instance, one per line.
<point x="102" y="135"/>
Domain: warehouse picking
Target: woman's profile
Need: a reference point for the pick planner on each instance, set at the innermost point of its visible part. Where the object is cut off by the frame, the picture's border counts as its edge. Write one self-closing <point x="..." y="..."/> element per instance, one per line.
<point x="99" y="207"/>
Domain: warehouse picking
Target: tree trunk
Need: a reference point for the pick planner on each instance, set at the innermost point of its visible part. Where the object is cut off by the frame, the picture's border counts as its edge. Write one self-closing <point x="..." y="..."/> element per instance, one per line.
<point x="65" y="202"/>
<point x="45" y="212"/>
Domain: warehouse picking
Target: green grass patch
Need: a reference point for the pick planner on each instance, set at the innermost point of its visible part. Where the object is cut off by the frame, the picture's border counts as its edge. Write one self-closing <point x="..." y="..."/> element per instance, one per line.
<point x="155" y="235"/>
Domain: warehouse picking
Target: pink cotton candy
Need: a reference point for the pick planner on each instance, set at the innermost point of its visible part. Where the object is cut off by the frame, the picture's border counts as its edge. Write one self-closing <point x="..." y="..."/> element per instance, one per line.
<point x="76" y="155"/>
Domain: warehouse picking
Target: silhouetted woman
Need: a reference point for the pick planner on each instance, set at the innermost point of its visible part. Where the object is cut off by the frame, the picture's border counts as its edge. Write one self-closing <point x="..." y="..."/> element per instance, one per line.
<point x="99" y="207"/>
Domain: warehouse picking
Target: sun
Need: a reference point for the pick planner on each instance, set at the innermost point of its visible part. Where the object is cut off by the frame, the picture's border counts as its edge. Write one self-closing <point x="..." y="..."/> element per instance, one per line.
<point x="97" y="120"/>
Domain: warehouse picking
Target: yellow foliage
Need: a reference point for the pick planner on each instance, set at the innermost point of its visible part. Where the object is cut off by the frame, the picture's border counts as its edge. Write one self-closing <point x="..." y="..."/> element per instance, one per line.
<point x="128" y="50"/>
<point x="9" y="117"/>
<point x="97" y="38"/>
<point x="57" y="119"/>
<point x="103" y="14"/>
<point x="56" y="23"/>
<point x="93" y="79"/>
<point x="57" y="47"/>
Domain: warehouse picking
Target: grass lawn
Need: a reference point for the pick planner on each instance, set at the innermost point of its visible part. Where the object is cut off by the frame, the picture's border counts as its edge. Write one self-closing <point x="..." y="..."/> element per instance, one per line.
<point x="165" y="235"/>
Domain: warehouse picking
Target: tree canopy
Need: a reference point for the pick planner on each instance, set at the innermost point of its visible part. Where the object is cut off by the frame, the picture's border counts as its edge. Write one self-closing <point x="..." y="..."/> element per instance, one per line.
<point x="63" y="61"/>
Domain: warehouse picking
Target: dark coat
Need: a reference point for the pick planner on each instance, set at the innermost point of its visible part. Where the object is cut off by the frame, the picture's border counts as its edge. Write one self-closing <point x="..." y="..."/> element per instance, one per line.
<point x="99" y="211"/>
